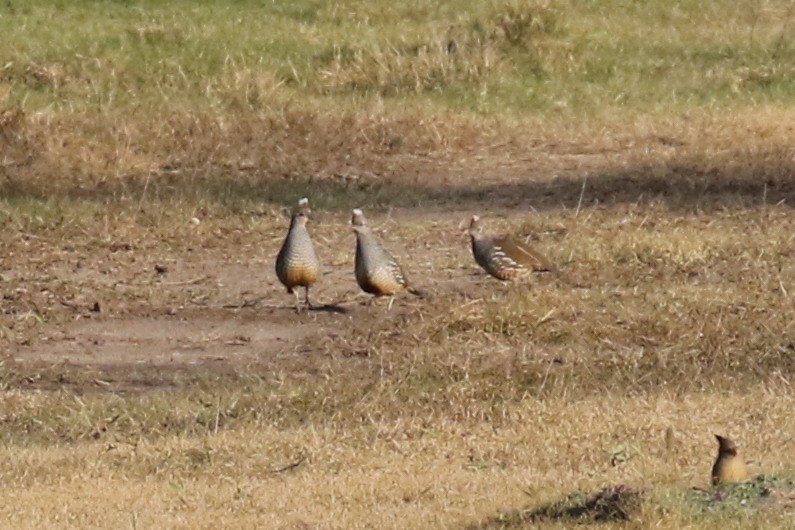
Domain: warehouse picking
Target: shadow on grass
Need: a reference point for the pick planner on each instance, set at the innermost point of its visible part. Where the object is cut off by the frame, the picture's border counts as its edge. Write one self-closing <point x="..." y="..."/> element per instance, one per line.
<point x="613" y="503"/>
<point x="696" y="185"/>
<point x="764" y="494"/>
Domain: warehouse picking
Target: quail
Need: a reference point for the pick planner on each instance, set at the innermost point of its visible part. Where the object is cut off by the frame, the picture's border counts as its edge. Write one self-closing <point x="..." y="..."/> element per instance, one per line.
<point x="377" y="271"/>
<point x="505" y="258"/>
<point x="297" y="264"/>
<point x="729" y="466"/>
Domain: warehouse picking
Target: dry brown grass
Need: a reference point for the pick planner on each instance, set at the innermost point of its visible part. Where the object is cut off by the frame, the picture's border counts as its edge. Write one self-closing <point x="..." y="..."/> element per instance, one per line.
<point x="409" y="471"/>
<point x="387" y="159"/>
<point x="450" y="411"/>
<point x="154" y="374"/>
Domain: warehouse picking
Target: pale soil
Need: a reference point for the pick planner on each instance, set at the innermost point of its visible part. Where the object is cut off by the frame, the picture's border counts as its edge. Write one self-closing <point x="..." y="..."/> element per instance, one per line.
<point x="117" y="294"/>
<point x="115" y="310"/>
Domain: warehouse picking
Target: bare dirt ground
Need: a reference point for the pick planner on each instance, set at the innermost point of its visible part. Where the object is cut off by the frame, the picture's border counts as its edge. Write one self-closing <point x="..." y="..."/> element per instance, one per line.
<point x="126" y="304"/>
<point x="161" y="289"/>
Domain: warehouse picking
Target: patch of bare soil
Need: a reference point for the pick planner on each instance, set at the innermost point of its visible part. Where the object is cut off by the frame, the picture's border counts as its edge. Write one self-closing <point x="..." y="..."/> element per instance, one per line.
<point x="211" y="301"/>
<point x="251" y="329"/>
<point x="154" y="290"/>
<point x="181" y="339"/>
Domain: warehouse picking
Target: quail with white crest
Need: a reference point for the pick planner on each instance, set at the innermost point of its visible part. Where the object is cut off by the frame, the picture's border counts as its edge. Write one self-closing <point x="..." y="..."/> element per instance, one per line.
<point x="297" y="264"/>
<point x="505" y="258"/>
<point x="377" y="271"/>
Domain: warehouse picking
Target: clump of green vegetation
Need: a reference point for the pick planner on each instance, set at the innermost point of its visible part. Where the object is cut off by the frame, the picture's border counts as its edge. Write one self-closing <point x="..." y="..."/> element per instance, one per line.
<point x="730" y="500"/>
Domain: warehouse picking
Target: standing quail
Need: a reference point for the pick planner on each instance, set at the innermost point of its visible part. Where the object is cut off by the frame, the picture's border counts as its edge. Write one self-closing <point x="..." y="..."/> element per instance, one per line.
<point x="377" y="272"/>
<point x="505" y="258"/>
<point x="297" y="264"/>
<point x="729" y="466"/>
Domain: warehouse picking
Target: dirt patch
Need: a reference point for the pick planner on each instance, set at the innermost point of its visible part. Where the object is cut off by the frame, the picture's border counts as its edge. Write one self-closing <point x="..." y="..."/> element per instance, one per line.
<point x="179" y="339"/>
<point x="186" y="294"/>
<point x="176" y="285"/>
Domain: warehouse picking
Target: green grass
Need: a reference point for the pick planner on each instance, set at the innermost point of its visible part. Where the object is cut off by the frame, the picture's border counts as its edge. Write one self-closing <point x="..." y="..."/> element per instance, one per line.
<point x="539" y="58"/>
<point x="186" y="92"/>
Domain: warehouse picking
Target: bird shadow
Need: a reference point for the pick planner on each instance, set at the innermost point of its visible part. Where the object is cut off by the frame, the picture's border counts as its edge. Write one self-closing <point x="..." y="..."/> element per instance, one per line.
<point x="333" y="308"/>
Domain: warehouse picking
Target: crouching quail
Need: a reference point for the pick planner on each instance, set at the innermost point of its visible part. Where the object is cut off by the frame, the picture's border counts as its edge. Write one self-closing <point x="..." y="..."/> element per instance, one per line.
<point x="297" y="264"/>
<point x="505" y="258"/>
<point x="729" y="466"/>
<point x="377" y="271"/>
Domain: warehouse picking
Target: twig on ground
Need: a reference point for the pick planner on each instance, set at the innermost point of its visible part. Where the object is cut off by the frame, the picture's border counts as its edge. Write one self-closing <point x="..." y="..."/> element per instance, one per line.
<point x="290" y="466"/>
